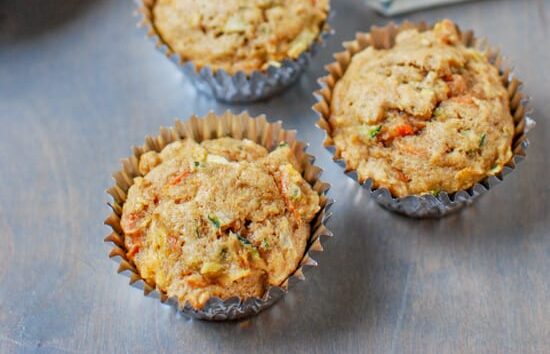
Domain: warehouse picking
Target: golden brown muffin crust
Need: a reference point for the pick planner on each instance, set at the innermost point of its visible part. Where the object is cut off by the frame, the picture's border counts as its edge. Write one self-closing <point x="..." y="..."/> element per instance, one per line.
<point x="235" y="35"/>
<point x="424" y="116"/>
<point x="222" y="218"/>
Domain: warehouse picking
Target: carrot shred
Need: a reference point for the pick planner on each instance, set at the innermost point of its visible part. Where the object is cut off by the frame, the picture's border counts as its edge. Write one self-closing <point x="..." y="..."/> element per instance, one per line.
<point x="130" y="224"/>
<point x="197" y="283"/>
<point x="179" y="177"/>
<point x="288" y="203"/>
<point x="134" y="250"/>
<point x="404" y="130"/>
<point x="403" y="177"/>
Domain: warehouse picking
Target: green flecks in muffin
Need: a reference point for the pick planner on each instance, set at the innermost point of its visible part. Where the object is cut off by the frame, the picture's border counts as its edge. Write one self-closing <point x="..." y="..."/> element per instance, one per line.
<point x="247" y="245"/>
<point x="373" y="132"/>
<point x="214" y="220"/>
<point x="482" y="140"/>
<point x="283" y="144"/>
<point x="295" y="192"/>
<point x="243" y="240"/>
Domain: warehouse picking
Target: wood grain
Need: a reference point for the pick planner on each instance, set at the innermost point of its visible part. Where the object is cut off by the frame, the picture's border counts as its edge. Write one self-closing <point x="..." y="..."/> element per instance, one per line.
<point x="79" y="87"/>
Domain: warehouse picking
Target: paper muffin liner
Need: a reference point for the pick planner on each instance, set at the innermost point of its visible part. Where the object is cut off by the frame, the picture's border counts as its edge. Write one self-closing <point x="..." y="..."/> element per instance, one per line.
<point x="239" y="87"/>
<point x="425" y="205"/>
<point x="240" y="126"/>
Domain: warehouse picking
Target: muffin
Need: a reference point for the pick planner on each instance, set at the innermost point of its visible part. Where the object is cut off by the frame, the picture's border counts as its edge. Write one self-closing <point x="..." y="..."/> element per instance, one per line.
<point x="218" y="218"/>
<point x="222" y="218"/>
<point x="239" y="35"/>
<point x="234" y="37"/>
<point x="418" y="111"/>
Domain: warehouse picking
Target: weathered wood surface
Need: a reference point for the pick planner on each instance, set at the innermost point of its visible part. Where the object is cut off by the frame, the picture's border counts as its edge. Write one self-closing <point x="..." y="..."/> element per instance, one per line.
<point x="79" y="85"/>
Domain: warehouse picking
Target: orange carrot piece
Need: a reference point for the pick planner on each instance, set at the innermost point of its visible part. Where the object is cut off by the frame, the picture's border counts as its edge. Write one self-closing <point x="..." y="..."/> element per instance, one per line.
<point x="179" y="177"/>
<point x="404" y="130"/>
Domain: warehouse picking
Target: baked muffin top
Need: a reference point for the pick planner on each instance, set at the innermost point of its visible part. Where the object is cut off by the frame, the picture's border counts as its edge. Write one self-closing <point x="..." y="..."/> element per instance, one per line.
<point x="222" y="218"/>
<point x="427" y="115"/>
<point x="235" y="35"/>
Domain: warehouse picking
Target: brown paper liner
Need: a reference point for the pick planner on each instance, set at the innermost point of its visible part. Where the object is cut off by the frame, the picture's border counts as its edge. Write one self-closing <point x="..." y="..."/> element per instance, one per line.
<point x="211" y="126"/>
<point x="426" y="205"/>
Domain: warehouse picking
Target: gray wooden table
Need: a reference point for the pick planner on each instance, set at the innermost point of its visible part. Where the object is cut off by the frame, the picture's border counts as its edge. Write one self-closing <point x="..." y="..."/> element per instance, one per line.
<point x="79" y="85"/>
